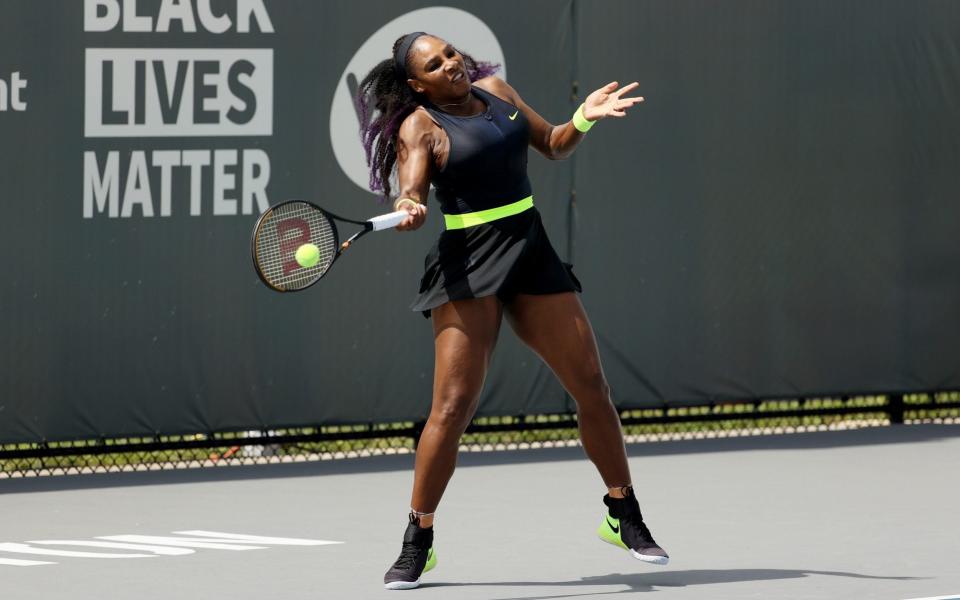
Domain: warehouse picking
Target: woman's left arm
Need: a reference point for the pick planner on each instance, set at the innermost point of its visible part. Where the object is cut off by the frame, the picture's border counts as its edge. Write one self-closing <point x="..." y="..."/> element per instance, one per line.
<point x="559" y="141"/>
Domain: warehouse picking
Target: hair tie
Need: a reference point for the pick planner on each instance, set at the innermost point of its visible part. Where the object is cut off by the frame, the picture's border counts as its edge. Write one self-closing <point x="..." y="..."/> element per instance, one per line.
<point x="400" y="57"/>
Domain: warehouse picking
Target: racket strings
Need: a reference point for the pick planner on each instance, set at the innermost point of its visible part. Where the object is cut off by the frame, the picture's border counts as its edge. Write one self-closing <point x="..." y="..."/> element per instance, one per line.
<point x="282" y="232"/>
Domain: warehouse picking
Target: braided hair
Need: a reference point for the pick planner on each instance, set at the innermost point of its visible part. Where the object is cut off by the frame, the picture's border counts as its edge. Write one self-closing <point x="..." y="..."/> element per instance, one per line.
<point x="383" y="101"/>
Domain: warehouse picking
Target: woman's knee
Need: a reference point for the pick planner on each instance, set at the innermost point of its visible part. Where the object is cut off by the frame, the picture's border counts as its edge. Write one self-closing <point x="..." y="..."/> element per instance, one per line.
<point x="453" y="410"/>
<point x="593" y="390"/>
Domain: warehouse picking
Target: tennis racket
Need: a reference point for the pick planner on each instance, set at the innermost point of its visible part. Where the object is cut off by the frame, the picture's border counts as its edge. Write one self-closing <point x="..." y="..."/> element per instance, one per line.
<point x="284" y="228"/>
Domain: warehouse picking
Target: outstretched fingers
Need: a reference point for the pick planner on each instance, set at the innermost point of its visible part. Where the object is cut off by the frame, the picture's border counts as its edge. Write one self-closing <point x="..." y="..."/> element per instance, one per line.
<point x="625" y="89"/>
<point x="619" y="107"/>
<point x="609" y="101"/>
<point x="621" y="102"/>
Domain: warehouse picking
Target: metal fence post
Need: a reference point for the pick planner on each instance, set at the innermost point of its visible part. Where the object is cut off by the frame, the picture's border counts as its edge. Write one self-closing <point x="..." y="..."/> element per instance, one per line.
<point x="895" y="404"/>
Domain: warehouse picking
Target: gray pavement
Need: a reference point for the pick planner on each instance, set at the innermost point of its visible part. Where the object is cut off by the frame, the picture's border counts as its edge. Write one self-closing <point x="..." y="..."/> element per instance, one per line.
<point x="856" y="514"/>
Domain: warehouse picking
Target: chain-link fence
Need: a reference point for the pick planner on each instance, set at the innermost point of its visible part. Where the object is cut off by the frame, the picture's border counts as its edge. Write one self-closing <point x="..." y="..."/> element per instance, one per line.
<point x="223" y="449"/>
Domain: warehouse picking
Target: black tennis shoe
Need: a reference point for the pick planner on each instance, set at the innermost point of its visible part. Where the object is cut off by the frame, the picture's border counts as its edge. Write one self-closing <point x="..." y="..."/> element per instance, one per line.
<point x="623" y="526"/>
<point x="416" y="558"/>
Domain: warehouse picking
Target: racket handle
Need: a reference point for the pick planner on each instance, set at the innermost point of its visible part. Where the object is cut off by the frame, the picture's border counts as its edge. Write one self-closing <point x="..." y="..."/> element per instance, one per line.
<point x="389" y="220"/>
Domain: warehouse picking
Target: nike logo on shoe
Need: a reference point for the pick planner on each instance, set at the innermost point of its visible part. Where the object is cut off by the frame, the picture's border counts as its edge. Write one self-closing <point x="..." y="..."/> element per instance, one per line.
<point x="615" y="528"/>
<point x="514" y="115"/>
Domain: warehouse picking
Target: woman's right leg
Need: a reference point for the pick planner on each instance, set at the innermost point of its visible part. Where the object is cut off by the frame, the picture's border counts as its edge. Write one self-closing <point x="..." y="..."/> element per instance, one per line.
<point x="465" y="333"/>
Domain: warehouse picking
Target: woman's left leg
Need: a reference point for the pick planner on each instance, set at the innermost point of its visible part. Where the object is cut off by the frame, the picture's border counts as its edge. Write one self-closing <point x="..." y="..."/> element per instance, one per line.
<point x="556" y="327"/>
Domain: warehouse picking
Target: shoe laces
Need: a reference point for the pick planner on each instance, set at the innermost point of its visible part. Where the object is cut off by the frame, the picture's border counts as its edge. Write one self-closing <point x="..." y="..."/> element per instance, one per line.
<point x="636" y="519"/>
<point x="408" y="556"/>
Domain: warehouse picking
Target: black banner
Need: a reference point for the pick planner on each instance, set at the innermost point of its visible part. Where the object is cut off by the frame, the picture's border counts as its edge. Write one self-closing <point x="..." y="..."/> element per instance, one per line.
<point x="778" y="218"/>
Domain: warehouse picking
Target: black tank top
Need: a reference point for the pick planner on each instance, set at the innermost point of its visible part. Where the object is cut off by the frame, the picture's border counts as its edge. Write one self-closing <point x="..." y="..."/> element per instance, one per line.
<point x="487" y="164"/>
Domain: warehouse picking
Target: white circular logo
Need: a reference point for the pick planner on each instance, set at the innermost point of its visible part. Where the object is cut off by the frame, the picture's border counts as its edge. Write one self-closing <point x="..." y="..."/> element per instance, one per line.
<point x="460" y="28"/>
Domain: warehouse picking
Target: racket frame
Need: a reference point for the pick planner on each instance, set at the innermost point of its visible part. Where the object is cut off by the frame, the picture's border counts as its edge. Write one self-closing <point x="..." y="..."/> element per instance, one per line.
<point x="331" y="218"/>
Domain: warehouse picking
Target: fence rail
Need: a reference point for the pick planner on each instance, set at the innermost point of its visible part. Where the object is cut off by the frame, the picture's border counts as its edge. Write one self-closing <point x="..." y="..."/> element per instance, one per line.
<point x="720" y="419"/>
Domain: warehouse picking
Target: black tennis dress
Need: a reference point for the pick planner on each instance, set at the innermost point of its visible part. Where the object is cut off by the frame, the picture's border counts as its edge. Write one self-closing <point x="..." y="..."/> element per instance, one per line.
<point x="486" y="170"/>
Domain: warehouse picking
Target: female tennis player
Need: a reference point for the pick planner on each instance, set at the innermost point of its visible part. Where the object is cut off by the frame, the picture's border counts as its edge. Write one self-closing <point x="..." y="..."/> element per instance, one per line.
<point x="440" y="117"/>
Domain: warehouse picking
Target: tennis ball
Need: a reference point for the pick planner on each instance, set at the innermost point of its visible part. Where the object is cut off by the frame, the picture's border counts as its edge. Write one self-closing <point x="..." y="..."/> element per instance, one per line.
<point x="308" y="255"/>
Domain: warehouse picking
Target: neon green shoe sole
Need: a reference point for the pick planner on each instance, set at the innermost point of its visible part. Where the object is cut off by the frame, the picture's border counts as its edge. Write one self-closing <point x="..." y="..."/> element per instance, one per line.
<point x="609" y="531"/>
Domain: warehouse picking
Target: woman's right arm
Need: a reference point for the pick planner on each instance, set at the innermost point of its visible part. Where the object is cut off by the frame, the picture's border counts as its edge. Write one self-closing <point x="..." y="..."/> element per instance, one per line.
<point x="415" y="156"/>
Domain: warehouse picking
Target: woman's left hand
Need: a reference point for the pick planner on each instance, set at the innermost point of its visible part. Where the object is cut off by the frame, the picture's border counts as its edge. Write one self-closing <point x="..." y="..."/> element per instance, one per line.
<point x="606" y="102"/>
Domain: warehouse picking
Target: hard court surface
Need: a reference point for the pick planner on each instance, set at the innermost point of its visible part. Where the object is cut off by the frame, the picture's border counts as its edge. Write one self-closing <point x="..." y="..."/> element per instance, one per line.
<point x="854" y="515"/>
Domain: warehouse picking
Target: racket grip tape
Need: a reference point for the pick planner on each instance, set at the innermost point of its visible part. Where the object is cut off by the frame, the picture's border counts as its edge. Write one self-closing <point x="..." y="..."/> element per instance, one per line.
<point x="388" y="220"/>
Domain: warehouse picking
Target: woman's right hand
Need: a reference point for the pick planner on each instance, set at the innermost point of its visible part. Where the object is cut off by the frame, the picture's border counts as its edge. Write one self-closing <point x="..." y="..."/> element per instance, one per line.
<point x="416" y="215"/>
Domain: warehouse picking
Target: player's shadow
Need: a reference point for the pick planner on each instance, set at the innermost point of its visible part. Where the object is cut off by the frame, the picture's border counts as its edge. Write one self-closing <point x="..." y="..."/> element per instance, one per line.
<point x="648" y="582"/>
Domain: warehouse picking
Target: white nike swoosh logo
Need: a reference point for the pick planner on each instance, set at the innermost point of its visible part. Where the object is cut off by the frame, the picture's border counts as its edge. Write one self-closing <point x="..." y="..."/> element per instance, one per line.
<point x="514" y="115"/>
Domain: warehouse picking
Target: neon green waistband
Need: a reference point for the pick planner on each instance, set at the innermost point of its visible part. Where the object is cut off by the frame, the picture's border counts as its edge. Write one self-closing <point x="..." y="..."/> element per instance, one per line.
<point x="485" y="216"/>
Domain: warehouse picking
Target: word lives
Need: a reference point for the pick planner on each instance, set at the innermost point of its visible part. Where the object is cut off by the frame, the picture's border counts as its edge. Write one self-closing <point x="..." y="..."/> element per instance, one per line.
<point x="162" y="92"/>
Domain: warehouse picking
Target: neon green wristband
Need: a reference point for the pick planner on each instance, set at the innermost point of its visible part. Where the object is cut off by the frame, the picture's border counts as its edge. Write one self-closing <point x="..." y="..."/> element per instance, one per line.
<point x="581" y="122"/>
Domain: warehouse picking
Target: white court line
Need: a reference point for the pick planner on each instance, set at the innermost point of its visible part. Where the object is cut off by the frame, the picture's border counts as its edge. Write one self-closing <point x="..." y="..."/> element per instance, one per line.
<point x="258" y="539"/>
<point x="154" y="544"/>
<point x="937" y="598"/>
<point x="16" y="562"/>
<point x="27" y="549"/>
<point x="158" y="540"/>
<point x="162" y="550"/>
